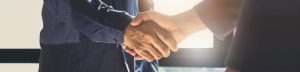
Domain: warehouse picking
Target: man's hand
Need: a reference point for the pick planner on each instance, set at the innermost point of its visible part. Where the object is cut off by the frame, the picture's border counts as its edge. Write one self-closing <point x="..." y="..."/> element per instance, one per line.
<point x="169" y="23"/>
<point x="220" y="16"/>
<point x="149" y="41"/>
<point x="184" y="24"/>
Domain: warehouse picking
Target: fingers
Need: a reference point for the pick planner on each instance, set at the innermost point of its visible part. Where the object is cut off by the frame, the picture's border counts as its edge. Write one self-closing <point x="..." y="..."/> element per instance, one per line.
<point x="146" y="55"/>
<point x="130" y="51"/>
<point x="138" y="57"/>
<point x="162" y="47"/>
<point x="151" y="50"/>
<point x="144" y="16"/>
<point x="137" y="20"/>
<point x="141" y="51"/>
<point x="149" y="44"/>
<point x="167" y="39"/>
<point x="154" y="52"/>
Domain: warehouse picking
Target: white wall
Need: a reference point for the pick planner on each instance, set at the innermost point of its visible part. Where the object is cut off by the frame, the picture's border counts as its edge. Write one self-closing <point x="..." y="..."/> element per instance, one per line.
<point x="20" y="23"/>
<point x="18" y="67"/>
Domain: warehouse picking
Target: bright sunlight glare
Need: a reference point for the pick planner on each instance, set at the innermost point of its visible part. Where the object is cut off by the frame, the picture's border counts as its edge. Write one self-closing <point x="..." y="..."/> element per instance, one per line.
<point x="201" y="39"/>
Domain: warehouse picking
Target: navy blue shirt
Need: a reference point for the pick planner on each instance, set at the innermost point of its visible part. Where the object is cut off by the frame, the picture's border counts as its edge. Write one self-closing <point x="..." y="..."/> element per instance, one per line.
<point x="65" y="20"/>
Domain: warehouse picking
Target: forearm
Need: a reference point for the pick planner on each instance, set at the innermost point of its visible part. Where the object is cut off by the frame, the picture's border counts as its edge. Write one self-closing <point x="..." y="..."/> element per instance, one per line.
<point x="100" y="13"/>
<point x="188" y="23"/>
<point x="216" y="15"/>
<point x="98" y="21"/>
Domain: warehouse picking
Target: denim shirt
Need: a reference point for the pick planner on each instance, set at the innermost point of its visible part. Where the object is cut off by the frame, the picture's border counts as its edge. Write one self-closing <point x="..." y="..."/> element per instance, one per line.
<point x="65" y="20"/>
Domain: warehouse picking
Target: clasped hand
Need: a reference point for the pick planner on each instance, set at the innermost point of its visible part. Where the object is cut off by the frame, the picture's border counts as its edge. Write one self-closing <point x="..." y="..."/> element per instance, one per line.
<point x="151" y="36"/>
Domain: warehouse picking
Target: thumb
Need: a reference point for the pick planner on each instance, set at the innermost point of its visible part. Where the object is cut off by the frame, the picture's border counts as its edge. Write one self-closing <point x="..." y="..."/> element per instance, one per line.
<point x="137" y="57"/>
<point x="144" y="16"/>
<point x="137" y="20"/>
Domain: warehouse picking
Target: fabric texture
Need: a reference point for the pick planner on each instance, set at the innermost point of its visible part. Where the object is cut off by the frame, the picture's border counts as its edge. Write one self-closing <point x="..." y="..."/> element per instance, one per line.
<point x="64" y="20"/>
<point x="84" y="36"/>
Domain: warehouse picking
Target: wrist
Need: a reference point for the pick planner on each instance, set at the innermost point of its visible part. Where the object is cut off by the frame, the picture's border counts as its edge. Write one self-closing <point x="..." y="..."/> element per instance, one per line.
<point x="188" y="23"/>
<point x="177" y="32"/>
<point x="178" y="35"/>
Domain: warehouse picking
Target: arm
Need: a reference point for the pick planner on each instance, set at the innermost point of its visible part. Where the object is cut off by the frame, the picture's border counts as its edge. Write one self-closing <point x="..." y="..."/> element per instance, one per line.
<point x="96" y="20"/>
<point x="101" y="13"/>
<point x="188" y="23"/>
<point x="208" y="14"/>
<point x="182" y="25"/>
<point x="219" y="16"/>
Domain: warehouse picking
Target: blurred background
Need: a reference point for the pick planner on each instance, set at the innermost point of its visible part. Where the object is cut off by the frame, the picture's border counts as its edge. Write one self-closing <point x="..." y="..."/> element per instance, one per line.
<point x="21" y="23"/>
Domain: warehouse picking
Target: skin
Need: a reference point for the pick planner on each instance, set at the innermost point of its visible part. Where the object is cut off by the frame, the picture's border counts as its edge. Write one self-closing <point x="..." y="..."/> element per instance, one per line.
<point x="186" y="23"/>
<point x="182" y="25"/>
<point x="144" y="5"/>
<point x="149" y="41"/>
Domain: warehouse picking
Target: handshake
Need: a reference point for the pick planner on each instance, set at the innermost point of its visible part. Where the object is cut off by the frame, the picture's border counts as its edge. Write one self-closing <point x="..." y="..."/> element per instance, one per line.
<point x="151" y="36"/>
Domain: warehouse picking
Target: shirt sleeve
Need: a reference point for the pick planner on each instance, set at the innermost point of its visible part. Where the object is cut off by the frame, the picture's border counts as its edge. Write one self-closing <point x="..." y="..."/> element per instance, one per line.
<point x="98" y="11"/>
<point x="98" y="21"/>
<point x="217" y="23"/>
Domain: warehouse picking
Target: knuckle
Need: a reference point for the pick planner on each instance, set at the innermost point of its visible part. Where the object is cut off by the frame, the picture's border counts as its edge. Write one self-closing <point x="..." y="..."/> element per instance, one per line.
<point x="156" y="54"/>
<point x="143" y="13"/>
<point x="151" y="12"/>
<point x="151" y="59"/>
<point x="151" y="39"/>
<point x="150" y="50"/>
<point x="139" y="50"/>
<point x="135" y="47"/>
<point x="165" y="48"/>
<point x="147" y="35"/>
<point x="167" y="38"/>
<point x="159" y="56"/>
<point x="167" y="53"/>
<point x="147" y="13"/>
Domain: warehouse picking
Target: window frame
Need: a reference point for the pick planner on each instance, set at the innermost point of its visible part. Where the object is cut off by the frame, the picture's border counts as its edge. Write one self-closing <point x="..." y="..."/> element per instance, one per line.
<point x="185" y="57"/>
